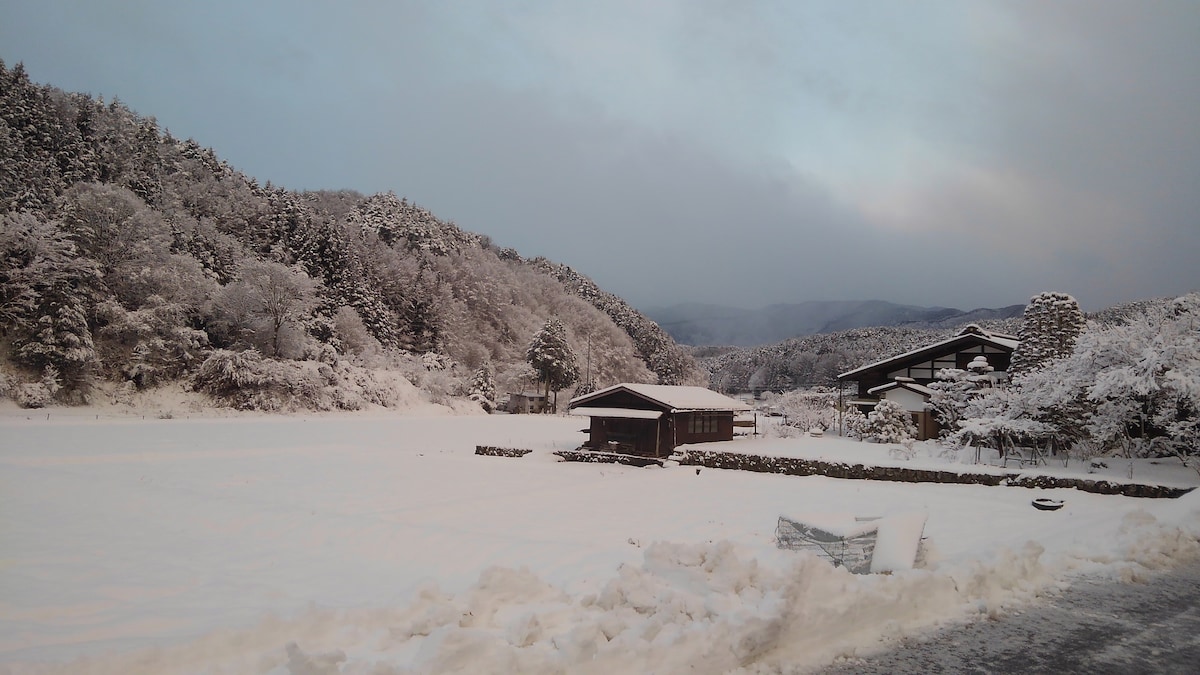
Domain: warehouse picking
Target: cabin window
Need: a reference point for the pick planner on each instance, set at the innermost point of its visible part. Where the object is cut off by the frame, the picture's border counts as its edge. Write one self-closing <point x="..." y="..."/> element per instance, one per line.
<point x="702" y="423"/>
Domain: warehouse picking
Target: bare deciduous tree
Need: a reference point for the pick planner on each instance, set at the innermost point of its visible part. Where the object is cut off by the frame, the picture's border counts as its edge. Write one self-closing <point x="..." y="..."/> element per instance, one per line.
<point x="278" y="295"/>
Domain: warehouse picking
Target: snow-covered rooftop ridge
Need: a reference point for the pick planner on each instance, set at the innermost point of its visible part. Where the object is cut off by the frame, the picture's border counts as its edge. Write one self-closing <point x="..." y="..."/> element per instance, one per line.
<point x="996" y="339"/>
<point x="975" y="329"/>
<point x="675" y="397"/>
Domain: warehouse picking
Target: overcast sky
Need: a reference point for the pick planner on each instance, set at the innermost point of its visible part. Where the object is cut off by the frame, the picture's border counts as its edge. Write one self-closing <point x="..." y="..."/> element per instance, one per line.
<point x="950" y="153"/>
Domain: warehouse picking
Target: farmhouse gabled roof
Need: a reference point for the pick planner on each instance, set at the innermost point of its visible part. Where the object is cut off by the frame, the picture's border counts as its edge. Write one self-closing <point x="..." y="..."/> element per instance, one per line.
<point x="970" y="335"/>
<point x="672" y="397"/>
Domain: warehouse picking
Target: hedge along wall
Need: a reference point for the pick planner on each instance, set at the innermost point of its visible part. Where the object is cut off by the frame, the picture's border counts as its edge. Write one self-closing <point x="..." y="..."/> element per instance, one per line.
<point x="794" y="466"/>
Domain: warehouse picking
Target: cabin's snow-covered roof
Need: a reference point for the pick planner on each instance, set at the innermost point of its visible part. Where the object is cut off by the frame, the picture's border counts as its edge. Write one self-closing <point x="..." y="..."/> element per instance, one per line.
<point x="1000" y="340"/>
<point x="677" y="398"/>
<point x="623" y="413"/>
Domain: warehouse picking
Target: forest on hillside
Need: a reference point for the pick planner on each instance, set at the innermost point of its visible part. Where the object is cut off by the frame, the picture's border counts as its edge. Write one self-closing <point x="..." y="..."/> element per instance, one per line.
<point x="134" y="259"/>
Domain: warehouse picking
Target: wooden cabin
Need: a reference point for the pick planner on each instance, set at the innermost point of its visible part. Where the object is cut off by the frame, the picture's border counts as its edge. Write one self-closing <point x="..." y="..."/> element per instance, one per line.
<point x="650" y="420"/>
<point x="903" y="378"/>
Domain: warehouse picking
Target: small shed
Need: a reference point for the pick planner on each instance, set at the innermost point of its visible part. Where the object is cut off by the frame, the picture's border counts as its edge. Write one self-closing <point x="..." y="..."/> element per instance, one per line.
<point x="652" y="419"/>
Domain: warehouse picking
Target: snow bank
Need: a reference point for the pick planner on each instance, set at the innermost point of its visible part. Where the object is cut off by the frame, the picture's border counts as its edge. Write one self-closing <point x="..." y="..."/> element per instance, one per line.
<point x="685" y="607"/>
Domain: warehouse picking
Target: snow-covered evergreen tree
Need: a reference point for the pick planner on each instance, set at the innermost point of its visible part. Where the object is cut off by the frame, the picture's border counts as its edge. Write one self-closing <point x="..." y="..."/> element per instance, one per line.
<point x="551" y="357"/>
<point x="890" y="423"/>
<point x="951" y="394"/>
<point x="48" y="292"/>
<point x="482" y="389"/>
<point x="1051" y="324"/>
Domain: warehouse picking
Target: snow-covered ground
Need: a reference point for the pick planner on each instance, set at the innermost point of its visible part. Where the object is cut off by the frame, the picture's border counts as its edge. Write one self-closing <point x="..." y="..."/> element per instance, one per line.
<point x="379" y="543"/>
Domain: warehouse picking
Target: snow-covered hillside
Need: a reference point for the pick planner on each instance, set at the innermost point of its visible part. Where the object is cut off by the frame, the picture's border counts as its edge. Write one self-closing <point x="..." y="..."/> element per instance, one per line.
<point x="381" y="544"/>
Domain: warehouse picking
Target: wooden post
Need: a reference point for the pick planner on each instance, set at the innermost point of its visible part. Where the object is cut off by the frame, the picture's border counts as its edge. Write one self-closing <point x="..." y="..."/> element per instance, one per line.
<point x="841" y="410"/>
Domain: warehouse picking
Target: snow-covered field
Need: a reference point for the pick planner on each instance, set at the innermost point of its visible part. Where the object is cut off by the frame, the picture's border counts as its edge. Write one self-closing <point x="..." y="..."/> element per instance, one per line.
<point x="381" y="544"/>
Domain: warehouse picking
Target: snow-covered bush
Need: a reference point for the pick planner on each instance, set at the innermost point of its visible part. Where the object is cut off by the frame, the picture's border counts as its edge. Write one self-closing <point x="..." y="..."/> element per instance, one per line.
<point x="123" y="394"/>
<point x="808" y="409"/>
<point x="442" y="386"/>
<point x="226" y="372"/>
<point x="151" y="345"/>
<point x="890" y="423"/>
<point x="38" y="394"/>
<point x="780" y="430"/>
<point x="32" y="395"/>
<point x="352" y="333"/>
<point x="855" y="422"/>
<point x="906" y="452"/>
<point x="248" y="381"/>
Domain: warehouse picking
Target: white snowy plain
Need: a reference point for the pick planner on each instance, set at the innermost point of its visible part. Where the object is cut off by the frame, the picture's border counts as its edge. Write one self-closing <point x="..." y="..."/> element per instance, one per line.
<point x="379" y="543"/>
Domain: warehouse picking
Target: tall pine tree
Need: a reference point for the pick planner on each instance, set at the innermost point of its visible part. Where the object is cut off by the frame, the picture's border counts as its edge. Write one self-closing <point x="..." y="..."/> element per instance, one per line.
<point x="48" y="292"/>
<point x="1051" y="324"/>
<point x="552" y="358"/>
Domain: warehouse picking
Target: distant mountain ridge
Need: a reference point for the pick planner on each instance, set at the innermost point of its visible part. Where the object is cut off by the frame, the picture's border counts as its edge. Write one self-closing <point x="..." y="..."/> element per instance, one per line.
<point x="701" y="324"/>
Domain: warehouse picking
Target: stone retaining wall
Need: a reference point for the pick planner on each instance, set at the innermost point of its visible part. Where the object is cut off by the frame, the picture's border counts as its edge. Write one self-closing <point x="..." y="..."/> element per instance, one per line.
<point x="606" y="458"/>
<point x="795" y="466"/>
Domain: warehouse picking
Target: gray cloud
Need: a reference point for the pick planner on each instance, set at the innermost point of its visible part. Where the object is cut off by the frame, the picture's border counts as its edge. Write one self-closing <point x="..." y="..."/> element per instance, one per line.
<point x="939" y="153"/>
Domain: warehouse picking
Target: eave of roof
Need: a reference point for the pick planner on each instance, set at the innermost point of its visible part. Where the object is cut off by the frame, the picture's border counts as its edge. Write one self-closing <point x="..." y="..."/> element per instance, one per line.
<point x="671" y="397"/>
<point x="998" y="342"/>
<point x="619" y="413"/>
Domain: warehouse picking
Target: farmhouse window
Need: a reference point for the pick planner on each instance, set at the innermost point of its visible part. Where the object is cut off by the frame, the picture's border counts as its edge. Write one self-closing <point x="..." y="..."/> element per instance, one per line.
<point x="702" y="423"/>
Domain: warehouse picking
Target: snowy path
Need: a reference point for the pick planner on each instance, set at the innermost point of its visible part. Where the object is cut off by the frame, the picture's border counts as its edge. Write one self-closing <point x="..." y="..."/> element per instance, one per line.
<point x="1092" y="627"/>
